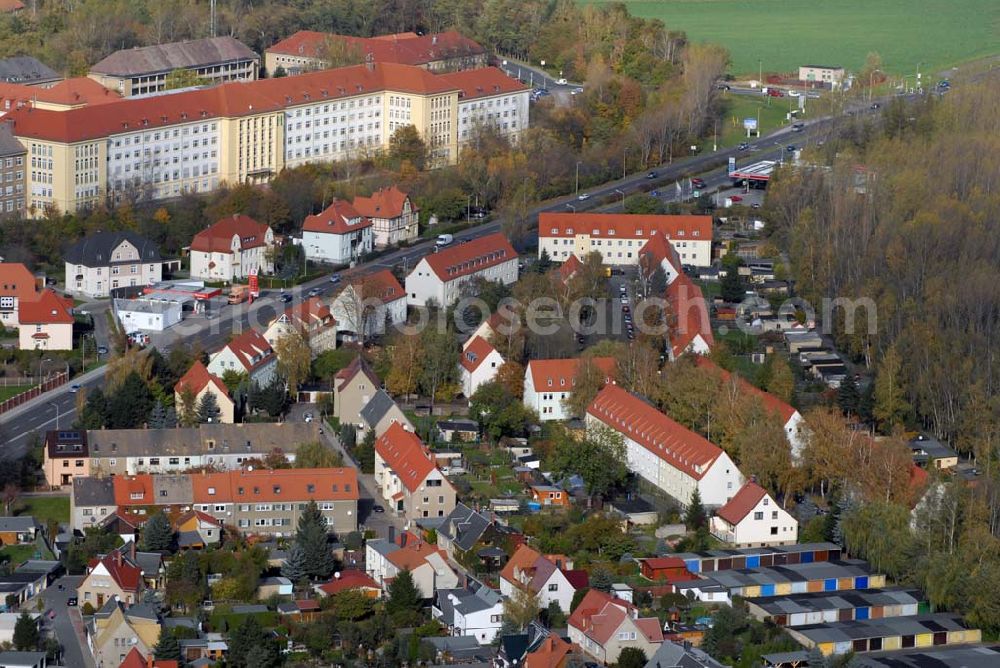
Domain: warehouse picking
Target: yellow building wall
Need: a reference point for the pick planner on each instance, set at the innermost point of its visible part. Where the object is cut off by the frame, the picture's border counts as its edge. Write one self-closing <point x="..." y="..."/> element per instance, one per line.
<point x="892" y="642"/>
<point x="251" y="147"/>
<point x="752" y="591"/>
<point x="64" y="169"/>
<point x="826" y="648"/>
<point x="436" y="119"/>
<point x="783" y="588"/>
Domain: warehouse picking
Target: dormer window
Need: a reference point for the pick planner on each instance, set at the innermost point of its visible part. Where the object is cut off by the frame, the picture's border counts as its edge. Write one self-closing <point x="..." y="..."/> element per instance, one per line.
<point x="277" y="489"/>
<point x="211" y="491"/>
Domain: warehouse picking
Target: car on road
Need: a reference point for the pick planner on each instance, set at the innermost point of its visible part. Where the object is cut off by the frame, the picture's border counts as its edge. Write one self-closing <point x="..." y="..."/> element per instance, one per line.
<point x="583" y="196"/>
<point x="307" y="417"/>
<point x="755" y="205"/>
<point x="577" y="91"/>
<point x="698" y="183"/>
<point x="652" y="175"/>
<point x="102" y="350"/>
<point x="774" y="92"/>
<point x="335" y="278"/>
<point x="655" y="193"/>
<point x="73" y="389"/>
<point x="285" y="297"/>
<point x="798" y="127"/>
<point x="794" y="93"/>
<point x="744" y="146"/>
<point x="875" y="106"/>
<point x="315" y="292"/>
<point x="722" y="86"/>
<point x="378" y="509"/>
<point x="71" y="601"/>
<point x="561" y="82"/>
<point x="791" y="148"/>
<point x="736" y="198"/>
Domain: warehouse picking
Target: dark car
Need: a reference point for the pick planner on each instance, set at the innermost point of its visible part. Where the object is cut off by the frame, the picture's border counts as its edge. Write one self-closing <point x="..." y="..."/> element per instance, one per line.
<point x="652" y="175"/>
<point x="286" y="298"/>
<point x="743" y="147"/>
<point x="876" y="106"/>
<point x="378" y="509"/>
<point x="71" y="601"/>
<point x="102" y="350"/>
<point x="791" y="148"/>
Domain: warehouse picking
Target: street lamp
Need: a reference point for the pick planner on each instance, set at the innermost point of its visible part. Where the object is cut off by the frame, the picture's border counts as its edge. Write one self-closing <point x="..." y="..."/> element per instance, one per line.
<point x="871" y="82"/>
<point x="622" y="193"/>
<point x="468" y="209"/>
<point x="624" y="155"/>
<point x="571" y="207"/>
<point x="578" y="177"/>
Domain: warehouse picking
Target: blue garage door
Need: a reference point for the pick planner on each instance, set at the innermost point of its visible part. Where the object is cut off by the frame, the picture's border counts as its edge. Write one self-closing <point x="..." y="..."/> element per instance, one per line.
<point x="830" y="584"/>
<point x="753" y="561"/>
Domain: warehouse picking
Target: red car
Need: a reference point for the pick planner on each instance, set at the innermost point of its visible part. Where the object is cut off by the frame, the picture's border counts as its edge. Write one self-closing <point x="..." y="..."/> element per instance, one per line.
<point x="736" y="198"/>
<point x="774" y="92"/>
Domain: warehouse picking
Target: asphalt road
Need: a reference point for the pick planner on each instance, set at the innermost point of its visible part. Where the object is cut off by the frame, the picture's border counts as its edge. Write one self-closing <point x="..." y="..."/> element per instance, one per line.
<point x="68" y="624"/>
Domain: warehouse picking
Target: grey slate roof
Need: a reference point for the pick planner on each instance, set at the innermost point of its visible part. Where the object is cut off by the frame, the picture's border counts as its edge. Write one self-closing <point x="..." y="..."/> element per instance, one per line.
<point x="24" y="523"/>
<point x="846" y="600"/>
<point x="142" y="611"/>
<point x="27" y="71"/>
<point x="22" y="658"/>
<point x="464" y="527"/>
<point x="9" y="145"/>
<point x="175" y="55"/>
<point x="376" y="408"/>
<point x="224" y="439"/>
<point x="93" y="492"/>
<point x="886" y="627"/>
<point x="465" y="601"/>
<point x="968" y="656"/>
<point x="96" y="249"/>
<point x="672" y="655"/>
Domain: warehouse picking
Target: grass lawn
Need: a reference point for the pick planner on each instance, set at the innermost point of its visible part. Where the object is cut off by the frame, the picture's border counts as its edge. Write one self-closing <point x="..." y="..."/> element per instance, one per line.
<point x="45" y="508"/>
<point x="784" y="34"/>
<point x="8" y="391"/>
<point x="737" y="107"/>
<point x="17" y="554"/>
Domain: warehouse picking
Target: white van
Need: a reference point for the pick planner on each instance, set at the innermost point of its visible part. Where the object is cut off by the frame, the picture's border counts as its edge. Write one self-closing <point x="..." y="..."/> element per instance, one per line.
<point x="444" y="240"/>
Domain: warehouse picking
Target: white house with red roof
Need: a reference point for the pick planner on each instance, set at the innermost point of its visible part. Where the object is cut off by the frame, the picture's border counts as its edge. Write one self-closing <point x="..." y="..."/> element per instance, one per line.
<point x="488" y="97"/>
<point x="232" y="249"/>
<point x="200" y="381"/>
<point x="752" y="519"/>
<point x="393" y="214"/>
<point x="428" y="565"/>
<point x="338" y="235"/>
<point x="478" y="363"/>
<point x="549" y="577"/>
<point x="369" y="303"/>
<point x="312" y="318"/>
<point x="689" y="329"/>
<point x="408" y="477"/>
<point x="618" y="238"/>
<point x="112" y="575"/>
<point x="248" y="353"/>
<point x="17" y="285"/>
<point x="795" y="426"/>
<point x="46" y="323"/>
<point x="549" y="383"/>
<point x="663" y="452"/>
<point x="441" y="275"/>
<point x="603" y="626"/>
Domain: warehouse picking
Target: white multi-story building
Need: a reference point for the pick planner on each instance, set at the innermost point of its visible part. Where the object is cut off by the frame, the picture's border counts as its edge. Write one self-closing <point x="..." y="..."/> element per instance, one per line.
<point x="248" y="353"/>
<point x="368" y="304"/>
<point x="489" y="97"/>
<point x="479" y="363"/>
<point x="235" y="247"/>
<point x="338" y="235"/>
<point x="104" y="261"/>
<point x="440" y="276"/>
<point x="664" y="453"/>
<point x="618" y="238"/>
<point x="549" y="383"/>
<point x="333" y="130"/>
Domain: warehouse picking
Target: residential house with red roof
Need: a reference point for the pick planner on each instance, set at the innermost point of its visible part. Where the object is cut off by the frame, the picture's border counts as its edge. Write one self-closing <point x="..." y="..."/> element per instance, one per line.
<point x="752" y="519"/>
<point x="248" y="353"/>
<point x="489" y="98"/>
<point x="795" y="427"/>
<point x="428" y="565"/>
<point x="305" y="49"/>
<point x="550" y="577"/>
<point x="199" y="381"/>
<point x="197" y="529"/>
<point x="393" y="214"/>
<point x="664" y="568"/>
<point x="337" y="235"/>
<point x="353" y="387"/>
<point x="367" y="304"/>
<point x="603" y="626"/>
<point x="478" y="363"/>
<point x="689" y="328"/>
<point x="113" y="575"/>
<point x="46" y="323"/>
<point x="350" y="579"/>
<point x="233" y="248"/>
<point x="549" y="383"/>
<point x="619" y="238"/>
<point x="311" y="318"/>
<point x="136" y="659"/>
<point x="553" y="652"/>
<point x="17" y="285"/>
<point x="440" y="276"/>
<point x="408" y="477"/>
<point x="664" y="453"/>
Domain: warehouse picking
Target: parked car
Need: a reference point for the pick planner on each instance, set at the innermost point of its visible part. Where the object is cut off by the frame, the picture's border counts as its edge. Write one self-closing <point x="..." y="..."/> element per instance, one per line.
<point x="315" y="292"/>
<point x="794" y="93"/>
<point x="561" y="82"/>
<point x="307" y="417"/>
<point x="71" y="601"/>
<point x="378" y="509"/>
<point x="102" y="350"/>
<point x="736" y="198"/>
<point x="791" y="148"/>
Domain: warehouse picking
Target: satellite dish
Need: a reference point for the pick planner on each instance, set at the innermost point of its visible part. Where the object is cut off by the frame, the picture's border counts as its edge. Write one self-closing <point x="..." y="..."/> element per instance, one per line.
<point x="336" y="575"/>
<point x="250" y="468"/>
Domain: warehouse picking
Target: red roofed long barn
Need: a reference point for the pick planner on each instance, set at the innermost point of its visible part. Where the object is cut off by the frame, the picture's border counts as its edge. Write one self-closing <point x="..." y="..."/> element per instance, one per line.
<point x="408" y="476"/>
<point x="619" y="237"/>
<point x="664" y="453"/>
<point x="441" y="275"/>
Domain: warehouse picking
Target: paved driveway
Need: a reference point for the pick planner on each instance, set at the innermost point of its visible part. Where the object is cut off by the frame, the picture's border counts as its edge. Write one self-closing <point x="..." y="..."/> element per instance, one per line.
<point x="68" y="624"/>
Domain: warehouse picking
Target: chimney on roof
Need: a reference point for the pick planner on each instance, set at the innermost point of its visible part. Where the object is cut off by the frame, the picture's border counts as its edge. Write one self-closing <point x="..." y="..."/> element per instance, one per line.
<point x="131" y="550"/>
<point x="392" y="534"/>
<point x="434" y="39"/>
<point x="370" y="61"/>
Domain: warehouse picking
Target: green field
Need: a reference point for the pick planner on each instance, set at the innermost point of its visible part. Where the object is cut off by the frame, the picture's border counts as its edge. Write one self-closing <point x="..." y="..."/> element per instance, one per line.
<point x="770" y="112"/>
<point x="45" y="508"/>
<point x="784" y="34"/>
<point x="8" y="391"/>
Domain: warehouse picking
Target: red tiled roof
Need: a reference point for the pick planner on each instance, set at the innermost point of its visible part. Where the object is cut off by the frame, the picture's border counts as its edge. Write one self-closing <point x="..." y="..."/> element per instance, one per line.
<point x="406" y="48"/>
<point x="384" y="203"/>
<point x="197" y="377"/>
<point x="229" y="100"/>
<point x="472" y="84"/>
<point x="357" y="365"/>
<point x="771" y="402"/>
<point x="578" y="578"/>
<point x="262" y="485"/>
<point x="461" y="260"/>
<point x="475" y="353"/>
<point x="71" y="92"/>
<point x="135" y="659"/>
<point x="309" y="312"/>
<point x="413" y="555"/>
<point x="631" y="226"/>
<point x="635" y="419"/>
<point x="561" y="374"/>
<point x="599" y="617"/>
<point x="126" y="575"/>
<point x="382" y="285"/>
<point x="406" y="455"/>
<point x="17" y="281"/>
<point x="248" y="345"/>
<point x="218" y="238"/>
<point x="657" y="563"/>
<point x="569" y="268"/>
<point x="349" y="579"/>
<point x="338" y="218"/>
<point x="11" y="5"/>
<point x="550" y="654"/>
<point x="661" y="249"/>
<point x="140" y="485"/>
<point x="742" y="503"/>
<point x="689" y="314"/>
<point x="48" y="309"/>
